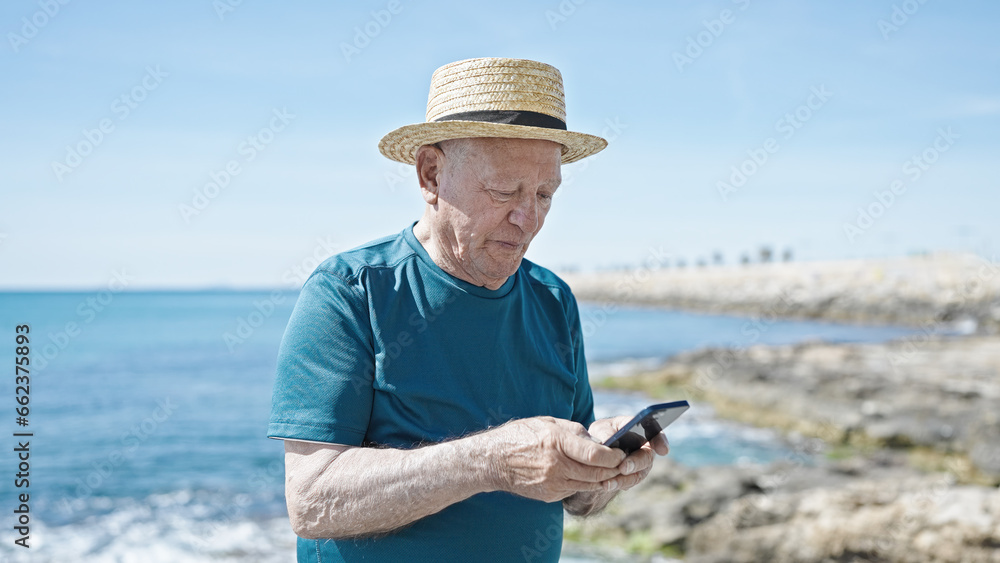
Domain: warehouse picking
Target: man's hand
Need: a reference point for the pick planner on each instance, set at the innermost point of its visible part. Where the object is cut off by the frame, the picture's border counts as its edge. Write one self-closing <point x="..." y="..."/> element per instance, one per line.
<point x="636" y="466"/>
<point x="549" y="459"/>
<point x="632" y="470"/>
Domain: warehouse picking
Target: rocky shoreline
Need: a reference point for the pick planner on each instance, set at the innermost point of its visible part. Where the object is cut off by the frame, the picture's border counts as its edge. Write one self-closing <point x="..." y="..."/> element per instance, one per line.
<point x="939" y="292"/>
<point x="908" y="437"/>
<point x="871" y="508"/>
<point x="931" y="396"/>
<point x="899" y="442"/>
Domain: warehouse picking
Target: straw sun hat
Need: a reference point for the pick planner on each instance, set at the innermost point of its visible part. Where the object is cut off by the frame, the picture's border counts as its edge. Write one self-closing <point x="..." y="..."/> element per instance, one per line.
<point x="511" y="98"/>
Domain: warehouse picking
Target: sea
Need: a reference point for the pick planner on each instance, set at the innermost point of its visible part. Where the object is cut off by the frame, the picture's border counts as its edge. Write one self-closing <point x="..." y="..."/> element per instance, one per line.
<point x="147" y="414"/>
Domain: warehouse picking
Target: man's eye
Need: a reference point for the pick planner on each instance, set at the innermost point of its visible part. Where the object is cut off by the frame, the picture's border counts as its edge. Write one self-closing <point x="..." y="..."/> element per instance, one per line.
<point x="503" y="195"/>
<point x="545" y="197"/>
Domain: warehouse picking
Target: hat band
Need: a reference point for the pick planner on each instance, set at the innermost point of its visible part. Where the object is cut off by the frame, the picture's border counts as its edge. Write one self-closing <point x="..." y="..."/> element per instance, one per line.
<point x="510" y="117"/>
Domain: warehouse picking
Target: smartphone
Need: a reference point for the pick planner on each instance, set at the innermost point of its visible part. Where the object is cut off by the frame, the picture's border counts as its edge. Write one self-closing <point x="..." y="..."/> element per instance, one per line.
<point x="644" y="426"/>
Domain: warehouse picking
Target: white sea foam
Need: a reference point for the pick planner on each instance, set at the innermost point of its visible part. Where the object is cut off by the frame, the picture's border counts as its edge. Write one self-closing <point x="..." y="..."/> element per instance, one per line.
<point x="177" y="527"/>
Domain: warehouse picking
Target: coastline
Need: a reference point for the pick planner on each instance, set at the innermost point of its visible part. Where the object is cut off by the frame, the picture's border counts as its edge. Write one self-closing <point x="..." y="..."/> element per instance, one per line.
<point x="894" y="460"/>
<point x="941" y="292"/>
<point x="900" y="441"/>
<point x="864" y="508"/>
<point x="937" y="398"/>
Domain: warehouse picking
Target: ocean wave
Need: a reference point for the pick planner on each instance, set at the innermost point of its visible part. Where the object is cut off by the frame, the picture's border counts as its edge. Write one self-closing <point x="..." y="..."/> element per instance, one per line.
<point x="173" y="527"/>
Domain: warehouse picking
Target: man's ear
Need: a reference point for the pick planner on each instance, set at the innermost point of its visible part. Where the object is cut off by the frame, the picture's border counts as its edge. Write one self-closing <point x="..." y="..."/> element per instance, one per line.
<point x="430" y="166"/>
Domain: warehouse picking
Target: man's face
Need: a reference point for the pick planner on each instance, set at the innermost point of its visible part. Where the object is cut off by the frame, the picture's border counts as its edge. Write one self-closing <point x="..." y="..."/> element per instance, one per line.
<point x="492" y="201"/>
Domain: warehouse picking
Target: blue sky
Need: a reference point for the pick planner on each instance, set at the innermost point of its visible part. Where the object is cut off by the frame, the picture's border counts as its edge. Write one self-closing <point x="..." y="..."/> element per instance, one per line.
<point x="198" y="82"/>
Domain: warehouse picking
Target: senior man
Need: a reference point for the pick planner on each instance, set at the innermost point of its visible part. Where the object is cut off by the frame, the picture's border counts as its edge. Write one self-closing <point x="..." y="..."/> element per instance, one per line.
<point x="432" y="389"/>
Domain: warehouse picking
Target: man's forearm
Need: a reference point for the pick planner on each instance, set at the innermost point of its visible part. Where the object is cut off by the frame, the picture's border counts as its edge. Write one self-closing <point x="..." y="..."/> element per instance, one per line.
<point x="374" y="491"/>
<point x="340" y="492"/>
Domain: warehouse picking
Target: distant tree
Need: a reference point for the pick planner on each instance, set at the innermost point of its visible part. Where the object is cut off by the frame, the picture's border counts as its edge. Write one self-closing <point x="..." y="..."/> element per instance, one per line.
<point x="744" y="258"/>
<point x="765" y="254"/>
<point x="717" y="258"/>
<point x="701" y="263"/>
<point x="681" y="263"/>
<point x="787" y="255"/>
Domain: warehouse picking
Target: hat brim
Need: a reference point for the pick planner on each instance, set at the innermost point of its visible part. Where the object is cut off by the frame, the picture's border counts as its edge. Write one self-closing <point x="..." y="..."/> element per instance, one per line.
<point x="401" y="144"/>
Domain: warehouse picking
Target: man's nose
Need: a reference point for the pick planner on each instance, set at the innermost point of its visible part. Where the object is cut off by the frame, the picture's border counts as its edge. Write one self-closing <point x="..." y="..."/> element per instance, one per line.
<point x="525" y="215"/>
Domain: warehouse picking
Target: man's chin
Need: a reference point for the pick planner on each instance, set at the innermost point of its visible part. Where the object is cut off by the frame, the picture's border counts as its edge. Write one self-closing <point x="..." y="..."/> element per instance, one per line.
<point x="503" y="269"/>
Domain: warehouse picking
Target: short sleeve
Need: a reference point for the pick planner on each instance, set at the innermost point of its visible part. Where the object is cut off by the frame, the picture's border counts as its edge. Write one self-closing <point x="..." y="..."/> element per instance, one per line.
<point x="583" y="402"/>
<point x="323" y="385"/>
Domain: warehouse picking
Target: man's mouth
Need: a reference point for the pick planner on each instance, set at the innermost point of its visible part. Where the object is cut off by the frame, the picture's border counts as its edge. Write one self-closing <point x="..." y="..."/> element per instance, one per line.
<point x="508" y="245"/>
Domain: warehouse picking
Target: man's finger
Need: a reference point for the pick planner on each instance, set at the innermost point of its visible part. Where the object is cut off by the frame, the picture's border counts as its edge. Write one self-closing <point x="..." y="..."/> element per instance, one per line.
<point x="586" y="486"/>
<point x="624" y="482"/>
<point x="576" y="471"/>
<point x="637" y="461"/>
<point x="660" y="444"/>
<point x="592" y="453"/>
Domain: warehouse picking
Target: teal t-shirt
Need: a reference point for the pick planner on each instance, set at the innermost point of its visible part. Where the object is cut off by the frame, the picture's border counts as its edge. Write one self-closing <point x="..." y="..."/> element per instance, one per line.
<point x="385" y="348"/>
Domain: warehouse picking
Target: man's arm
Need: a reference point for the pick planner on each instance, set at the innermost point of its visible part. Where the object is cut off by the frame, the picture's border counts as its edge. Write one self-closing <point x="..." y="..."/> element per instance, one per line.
<point x="337" y="491"/>
<point x="633" y="469"/>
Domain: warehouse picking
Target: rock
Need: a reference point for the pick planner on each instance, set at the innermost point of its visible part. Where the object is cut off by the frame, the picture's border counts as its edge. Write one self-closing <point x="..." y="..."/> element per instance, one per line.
<point x="939" y="394"/>
<point x="881" y="510"/>
<point x="910" y="520"/>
